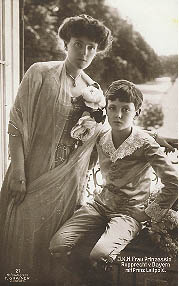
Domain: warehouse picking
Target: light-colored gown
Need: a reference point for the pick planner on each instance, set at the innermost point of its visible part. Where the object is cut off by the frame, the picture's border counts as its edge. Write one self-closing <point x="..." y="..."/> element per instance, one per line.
<point x="43" y="113"/>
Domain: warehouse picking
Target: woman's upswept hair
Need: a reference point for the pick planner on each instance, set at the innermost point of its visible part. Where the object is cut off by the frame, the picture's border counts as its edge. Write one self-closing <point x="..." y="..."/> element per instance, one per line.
<point x="85" y="26"/>
<point x="124" y="90"/>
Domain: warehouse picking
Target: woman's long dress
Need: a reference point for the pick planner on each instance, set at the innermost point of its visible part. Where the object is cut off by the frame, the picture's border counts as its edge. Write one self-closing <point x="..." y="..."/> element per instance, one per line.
<point x="52" y="195"/>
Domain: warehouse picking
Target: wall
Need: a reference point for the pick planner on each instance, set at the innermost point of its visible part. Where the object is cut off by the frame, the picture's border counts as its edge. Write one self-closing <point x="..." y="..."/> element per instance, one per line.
<point x="9" y="71"/>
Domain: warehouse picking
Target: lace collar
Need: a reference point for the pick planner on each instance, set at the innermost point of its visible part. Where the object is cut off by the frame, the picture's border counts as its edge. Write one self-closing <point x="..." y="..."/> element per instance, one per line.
<point x="135" y="140"/>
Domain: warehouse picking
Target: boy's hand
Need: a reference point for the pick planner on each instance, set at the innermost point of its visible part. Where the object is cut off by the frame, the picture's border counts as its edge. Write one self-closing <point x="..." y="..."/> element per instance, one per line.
<point x="138" y="214"/>
<point x="158" y="227"/>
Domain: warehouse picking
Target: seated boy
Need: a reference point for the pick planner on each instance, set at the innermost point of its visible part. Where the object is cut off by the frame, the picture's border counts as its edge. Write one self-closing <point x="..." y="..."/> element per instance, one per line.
<point x="103" y="228"/>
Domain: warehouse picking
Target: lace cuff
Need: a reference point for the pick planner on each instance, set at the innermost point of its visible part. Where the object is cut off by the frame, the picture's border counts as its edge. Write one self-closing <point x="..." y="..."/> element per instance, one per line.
<point x="84" y="129"/>
<point x="155" y="212"/>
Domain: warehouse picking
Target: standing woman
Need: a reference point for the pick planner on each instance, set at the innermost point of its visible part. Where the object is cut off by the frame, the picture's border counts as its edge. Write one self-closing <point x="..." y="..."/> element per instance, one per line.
<point x="47" y="172"/>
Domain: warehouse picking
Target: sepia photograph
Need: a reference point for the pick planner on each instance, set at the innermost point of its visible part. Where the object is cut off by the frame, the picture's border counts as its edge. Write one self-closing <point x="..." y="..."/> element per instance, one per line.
<point x="88" y="142"/>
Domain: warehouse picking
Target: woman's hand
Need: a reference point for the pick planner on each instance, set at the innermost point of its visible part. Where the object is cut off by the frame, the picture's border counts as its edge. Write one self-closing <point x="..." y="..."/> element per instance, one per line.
<point x="17" y="183"/>
<point x="169" y="143"/>
<point x="17" y="187"/>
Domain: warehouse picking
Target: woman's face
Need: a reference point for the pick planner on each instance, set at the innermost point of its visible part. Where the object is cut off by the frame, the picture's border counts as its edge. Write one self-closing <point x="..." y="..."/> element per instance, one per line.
<point x="81" y="52"/>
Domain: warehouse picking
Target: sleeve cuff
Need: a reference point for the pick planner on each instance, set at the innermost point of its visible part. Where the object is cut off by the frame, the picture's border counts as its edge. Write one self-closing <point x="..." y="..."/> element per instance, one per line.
<point x="12" y="129"/>
<point x="155" y="212"/>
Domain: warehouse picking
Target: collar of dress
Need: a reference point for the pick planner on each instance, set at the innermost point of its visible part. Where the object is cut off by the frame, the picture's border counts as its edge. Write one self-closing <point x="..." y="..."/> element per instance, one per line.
<point x="135" y="141"/>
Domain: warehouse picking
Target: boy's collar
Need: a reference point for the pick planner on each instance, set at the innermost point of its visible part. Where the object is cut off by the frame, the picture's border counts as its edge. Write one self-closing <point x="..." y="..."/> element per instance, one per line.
<point x="135" y="141"/>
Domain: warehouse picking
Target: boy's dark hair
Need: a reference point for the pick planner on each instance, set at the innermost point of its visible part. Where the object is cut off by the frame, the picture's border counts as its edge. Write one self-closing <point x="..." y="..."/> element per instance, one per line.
<point x="124" y="91"/>
<point x="85" y="26"/>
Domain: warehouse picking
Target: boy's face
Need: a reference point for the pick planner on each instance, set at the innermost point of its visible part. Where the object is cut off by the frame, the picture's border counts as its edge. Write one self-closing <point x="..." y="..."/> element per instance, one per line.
<point x="120" y="114"/>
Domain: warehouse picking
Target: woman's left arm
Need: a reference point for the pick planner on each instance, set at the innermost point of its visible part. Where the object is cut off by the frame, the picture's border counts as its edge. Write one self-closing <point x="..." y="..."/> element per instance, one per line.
<point x="168" y="143"/>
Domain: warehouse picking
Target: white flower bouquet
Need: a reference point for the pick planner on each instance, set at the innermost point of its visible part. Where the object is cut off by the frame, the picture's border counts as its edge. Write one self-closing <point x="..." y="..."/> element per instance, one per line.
<point x="94" y="101"/>
<point x="93" y="97"/>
